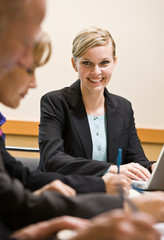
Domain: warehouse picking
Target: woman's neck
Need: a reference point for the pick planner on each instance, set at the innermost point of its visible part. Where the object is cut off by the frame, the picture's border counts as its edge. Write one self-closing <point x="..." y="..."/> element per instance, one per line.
<point x="94" y="103"/>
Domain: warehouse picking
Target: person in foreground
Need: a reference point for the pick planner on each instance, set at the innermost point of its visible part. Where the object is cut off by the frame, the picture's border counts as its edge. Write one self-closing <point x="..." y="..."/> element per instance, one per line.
<point x="108" y="226"/>
<point x="83" y="126"/>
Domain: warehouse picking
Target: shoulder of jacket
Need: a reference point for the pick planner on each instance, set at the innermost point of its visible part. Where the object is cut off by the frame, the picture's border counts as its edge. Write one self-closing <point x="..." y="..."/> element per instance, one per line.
<point x="60" y="94"/>
<point x="113" y="98"/>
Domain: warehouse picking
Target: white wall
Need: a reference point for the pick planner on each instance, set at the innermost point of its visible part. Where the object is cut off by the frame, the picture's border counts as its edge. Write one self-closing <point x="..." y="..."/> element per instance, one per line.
<point x="138" y="29"/>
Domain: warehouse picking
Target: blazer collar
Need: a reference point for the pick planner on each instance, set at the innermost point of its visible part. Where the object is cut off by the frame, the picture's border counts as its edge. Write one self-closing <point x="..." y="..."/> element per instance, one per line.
<point x="115" y="121"/>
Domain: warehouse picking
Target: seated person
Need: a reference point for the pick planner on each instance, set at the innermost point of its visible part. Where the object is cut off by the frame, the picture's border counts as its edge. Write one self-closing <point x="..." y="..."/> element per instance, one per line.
<point x="83" y="126"/>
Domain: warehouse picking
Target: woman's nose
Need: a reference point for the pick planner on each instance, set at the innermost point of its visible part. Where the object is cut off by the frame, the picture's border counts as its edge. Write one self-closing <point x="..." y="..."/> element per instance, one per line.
<point x="96" y="70"/>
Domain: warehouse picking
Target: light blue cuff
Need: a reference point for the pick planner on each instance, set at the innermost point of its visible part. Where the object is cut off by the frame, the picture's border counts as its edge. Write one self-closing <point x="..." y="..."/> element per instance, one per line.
<point x="107" y="171"/>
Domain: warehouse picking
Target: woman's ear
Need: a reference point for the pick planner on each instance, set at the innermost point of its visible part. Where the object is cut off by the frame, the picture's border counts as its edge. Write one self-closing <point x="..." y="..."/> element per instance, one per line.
<point x="74" y="64"/>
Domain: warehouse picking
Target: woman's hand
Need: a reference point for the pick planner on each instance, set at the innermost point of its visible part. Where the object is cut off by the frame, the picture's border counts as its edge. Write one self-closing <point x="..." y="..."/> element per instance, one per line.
<point x="57" y="186"/>
<point x="114" y="181"/>
<point x="132" y="170"/>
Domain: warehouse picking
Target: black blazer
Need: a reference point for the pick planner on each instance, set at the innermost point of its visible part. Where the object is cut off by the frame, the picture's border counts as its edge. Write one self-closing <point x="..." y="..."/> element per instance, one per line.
<point x="65" y="139"/>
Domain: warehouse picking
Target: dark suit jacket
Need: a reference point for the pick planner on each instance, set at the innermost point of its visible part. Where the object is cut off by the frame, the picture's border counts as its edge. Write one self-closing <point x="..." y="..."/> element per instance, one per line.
<point x="19" y="207"/>
<point x="36" y="179"/>
<point x="65" y="139"/>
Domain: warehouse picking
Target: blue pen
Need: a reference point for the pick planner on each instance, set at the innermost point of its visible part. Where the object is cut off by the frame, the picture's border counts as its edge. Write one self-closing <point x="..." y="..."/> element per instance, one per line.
<point x="119" y="160"/>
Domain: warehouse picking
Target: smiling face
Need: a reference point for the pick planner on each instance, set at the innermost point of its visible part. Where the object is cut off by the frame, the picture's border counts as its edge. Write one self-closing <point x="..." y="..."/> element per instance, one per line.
<point x="14" y="86"/>
<point x="95" y="68"/>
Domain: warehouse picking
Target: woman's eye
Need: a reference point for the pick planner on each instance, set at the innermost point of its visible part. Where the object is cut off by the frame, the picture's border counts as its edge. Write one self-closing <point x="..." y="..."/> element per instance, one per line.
<point x="86" y="63"/>
<point x="30" y="71"/>
<point x="105" y="62"/>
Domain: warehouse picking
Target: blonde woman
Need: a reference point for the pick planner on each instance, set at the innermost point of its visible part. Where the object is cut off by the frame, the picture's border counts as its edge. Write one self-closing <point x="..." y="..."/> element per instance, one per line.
<point x="83" y="126"/>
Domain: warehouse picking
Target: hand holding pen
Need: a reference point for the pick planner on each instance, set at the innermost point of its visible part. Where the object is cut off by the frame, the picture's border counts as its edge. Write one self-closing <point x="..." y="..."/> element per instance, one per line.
<point x="132" y="170"/>
<point x="119" y="161"/>
<point x="113" y="180"/>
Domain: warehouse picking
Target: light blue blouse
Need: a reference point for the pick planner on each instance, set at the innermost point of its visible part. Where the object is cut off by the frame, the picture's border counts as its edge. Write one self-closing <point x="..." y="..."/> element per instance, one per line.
<point x="98" y="128"/>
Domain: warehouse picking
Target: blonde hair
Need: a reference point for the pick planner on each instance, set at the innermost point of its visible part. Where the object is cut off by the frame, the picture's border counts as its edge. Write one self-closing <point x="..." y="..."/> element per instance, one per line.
<point x="42" y="49"/>
<point x="91" y="37"/>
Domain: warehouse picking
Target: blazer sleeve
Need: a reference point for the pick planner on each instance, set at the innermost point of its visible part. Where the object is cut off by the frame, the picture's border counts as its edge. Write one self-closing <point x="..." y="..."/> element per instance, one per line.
<point x="36" y="179"/>
<point x="134" y="151"/>
<point x="52" y="143"/>
<point x="19" y="207"/>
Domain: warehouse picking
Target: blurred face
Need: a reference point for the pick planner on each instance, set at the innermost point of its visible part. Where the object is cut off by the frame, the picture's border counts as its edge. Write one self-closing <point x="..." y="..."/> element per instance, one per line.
<point x="14" y="86"/>
<point x="95" y="68"/>
<point x="16" y="47"/>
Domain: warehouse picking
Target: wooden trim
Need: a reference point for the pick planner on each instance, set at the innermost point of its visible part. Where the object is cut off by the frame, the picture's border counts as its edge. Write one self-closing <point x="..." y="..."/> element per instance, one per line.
<point x="151" y="135"/>
<point x="32" y="129"/>
<point x="21" y="128"/>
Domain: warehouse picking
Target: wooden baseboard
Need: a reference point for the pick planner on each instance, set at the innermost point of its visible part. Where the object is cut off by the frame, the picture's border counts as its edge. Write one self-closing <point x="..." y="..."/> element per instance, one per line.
<point x="151" y="135"/>
<point x="27" y="128"/>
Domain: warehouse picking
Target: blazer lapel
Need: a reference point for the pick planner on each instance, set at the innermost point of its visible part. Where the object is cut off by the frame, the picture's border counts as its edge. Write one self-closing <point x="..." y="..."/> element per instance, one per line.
<point x="115" y="122"/>
<point x="79" y="118"/>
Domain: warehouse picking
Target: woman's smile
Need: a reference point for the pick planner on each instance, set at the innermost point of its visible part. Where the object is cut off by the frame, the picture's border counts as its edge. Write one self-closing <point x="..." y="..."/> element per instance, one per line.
<point x="96" y="80"/>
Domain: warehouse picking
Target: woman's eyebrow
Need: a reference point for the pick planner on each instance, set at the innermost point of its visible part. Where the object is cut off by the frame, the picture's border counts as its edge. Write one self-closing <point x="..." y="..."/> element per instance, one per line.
<point x="85" y="59"/>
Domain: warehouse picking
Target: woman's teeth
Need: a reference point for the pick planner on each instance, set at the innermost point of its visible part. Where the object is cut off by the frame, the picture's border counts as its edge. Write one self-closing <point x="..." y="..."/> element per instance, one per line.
<point x="96" y="80"/>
